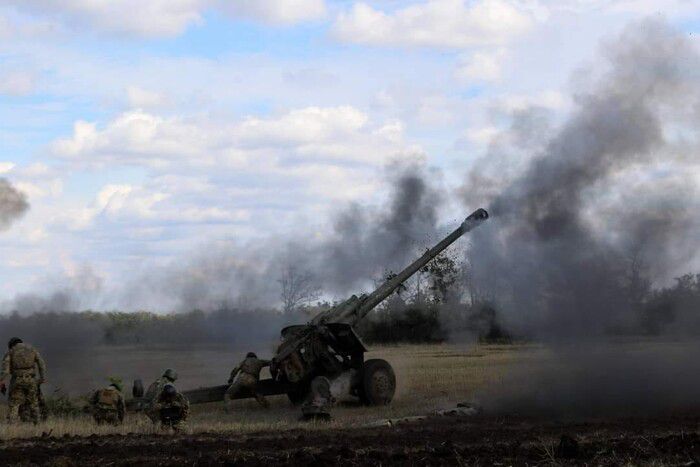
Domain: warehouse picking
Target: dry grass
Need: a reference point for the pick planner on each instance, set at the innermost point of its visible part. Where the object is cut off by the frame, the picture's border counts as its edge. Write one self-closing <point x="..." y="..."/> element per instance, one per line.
<point x="429" y="377"/>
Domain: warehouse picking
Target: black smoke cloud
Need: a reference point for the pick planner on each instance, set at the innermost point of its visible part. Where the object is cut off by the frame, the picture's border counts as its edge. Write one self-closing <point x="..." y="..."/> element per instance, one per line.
<point x="618" y="180"/>
<point x="13" y="204"/>
<point x="609" y="183"/>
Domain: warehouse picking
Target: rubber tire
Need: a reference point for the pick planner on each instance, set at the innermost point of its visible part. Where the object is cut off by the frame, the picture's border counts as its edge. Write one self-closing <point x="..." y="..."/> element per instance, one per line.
<point x="137" y="390"/>
<point x="374" y="372"/>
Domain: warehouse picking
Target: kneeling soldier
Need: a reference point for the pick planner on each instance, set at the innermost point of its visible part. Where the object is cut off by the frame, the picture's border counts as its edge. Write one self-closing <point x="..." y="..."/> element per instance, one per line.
<point x="108" y="404"/>
<point x="154" y="390"/>
<point x="170" y="408"/>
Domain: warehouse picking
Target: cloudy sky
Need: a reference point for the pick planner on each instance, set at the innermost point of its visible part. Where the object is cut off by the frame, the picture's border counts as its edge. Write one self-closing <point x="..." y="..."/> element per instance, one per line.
<point x="142" y="131"/>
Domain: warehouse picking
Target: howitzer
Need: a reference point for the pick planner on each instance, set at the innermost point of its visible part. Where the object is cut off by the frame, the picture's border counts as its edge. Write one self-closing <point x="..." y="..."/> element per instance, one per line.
<point x="328" y="346"/>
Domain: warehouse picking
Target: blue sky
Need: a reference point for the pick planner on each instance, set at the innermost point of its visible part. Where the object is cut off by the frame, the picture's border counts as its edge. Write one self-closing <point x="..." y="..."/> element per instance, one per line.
<point x="143" y="131"/>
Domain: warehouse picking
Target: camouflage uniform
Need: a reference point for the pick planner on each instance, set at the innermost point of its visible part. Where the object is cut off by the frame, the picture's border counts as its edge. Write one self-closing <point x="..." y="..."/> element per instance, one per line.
<point x="25" y="412"/>
<point x="155" y="389"/>
<point x="245" y="377"/>
<point x="170" y="411"/>
<point x="21" y="362"/>
<point x="108" y="406"/>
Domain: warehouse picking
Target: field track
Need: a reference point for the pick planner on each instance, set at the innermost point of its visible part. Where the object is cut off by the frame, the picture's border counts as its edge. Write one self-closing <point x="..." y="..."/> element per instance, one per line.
<point x="476" y="440"/>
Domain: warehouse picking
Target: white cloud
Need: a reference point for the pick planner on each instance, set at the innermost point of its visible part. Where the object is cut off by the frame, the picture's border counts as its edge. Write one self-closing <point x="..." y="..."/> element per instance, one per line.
<point x="482" y="66"/>
<point x="152" y="18"/>
<point x="144" y="99"/>
<point x="205" y="171"/>
<point x="482" y="136"/>
<point x="36" y="180"/>
<point x="550" y="99"/>
<point x="332" y="135"/>
<point x="159" y="18"/>
<point x="16" y="83"/>
<point x="308" y="125"/>
<point x="152" y="204"/>
<point x="14" y="26"/>
<point x="134" y="138"/>
<point x="6" y="167"/>
<point x="639" y="7"/>
<point x="439" y="23"/>
<point x="278" y="11"/>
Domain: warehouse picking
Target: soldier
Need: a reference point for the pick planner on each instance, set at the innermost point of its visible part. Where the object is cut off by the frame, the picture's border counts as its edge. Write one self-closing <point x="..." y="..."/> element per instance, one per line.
<point x="22" y="362"/>
<point x="170" y="408"/>
<point x="169" y="377"/>
<point x="108" y="404"/>
<point x="245" y="377"/>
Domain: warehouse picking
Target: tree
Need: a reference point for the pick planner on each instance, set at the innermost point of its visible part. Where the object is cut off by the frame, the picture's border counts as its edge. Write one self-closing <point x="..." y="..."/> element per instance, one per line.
<point x="636" y="282"/>
<point x="298" y="288"/>
<point x="442" y="274"/>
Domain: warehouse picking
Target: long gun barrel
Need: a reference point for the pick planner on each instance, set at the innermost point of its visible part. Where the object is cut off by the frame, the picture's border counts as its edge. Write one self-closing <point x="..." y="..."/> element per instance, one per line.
<point x="355" y="309"/>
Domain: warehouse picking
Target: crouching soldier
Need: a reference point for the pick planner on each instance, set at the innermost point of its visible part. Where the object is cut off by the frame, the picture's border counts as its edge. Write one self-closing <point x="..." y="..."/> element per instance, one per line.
<point x="22" y="362"/>
<point x="154" y="390"/>
<point x="170" y="408"/>
<point x="244" y="378"/>
<point x="108" y="404"/>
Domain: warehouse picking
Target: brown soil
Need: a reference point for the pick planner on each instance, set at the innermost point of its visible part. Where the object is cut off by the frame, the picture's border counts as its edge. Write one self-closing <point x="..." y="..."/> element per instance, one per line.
<point x="438" y="441"/>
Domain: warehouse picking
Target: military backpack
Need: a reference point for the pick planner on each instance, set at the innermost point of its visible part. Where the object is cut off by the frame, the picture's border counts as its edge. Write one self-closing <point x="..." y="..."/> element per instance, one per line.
<point x="23" y="357"/>
<point x="108" y="398"/>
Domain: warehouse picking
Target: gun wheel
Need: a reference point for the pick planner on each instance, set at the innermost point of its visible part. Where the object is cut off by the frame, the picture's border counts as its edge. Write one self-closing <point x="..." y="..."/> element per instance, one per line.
<point x="378" y="382"/>
<point x="137" y="389"/>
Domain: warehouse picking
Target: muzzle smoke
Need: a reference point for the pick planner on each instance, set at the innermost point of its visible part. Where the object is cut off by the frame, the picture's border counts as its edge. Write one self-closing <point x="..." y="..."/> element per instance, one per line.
<point x="612" y="191"/>
<point x="13" y="204"/>
<point x="616" y="182"/>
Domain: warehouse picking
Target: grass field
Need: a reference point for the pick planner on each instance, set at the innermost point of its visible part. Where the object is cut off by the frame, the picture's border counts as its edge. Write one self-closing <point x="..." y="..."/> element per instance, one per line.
<point x="429" y="377"/>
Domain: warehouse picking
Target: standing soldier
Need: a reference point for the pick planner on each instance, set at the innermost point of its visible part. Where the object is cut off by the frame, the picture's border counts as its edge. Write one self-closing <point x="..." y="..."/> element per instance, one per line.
<point x="108" y="404"/>
<point x="170" y="408"/>
<point x="154" y="390"/>
<point x="21" y="363"/>
<point x="245" y="377"/>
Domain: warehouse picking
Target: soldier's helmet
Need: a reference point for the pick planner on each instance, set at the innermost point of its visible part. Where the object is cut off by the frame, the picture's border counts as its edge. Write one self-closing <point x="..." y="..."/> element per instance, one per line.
<point x="13" y="341"/>
<point x="169" y="390"/>
<point x="251" y="355"/>
<point x="116" y="383"/>
<point x="170" y="374"/>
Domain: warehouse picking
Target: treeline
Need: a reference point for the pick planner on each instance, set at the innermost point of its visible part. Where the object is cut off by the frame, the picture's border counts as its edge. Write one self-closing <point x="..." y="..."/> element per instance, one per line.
<point x="442" y="302"/>
<point x="438" y="304"/>
<point x="676" y="307"/>
<point x="229" y="326"/>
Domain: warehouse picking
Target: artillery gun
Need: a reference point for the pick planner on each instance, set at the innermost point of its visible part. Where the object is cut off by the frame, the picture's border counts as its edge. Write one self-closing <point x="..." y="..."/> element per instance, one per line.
<point x="328" y="346"/>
